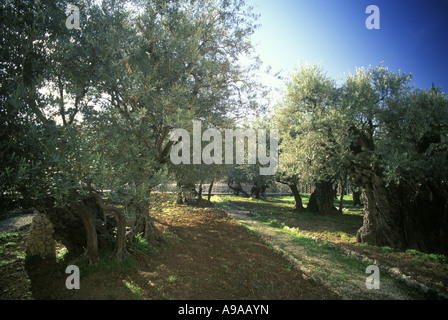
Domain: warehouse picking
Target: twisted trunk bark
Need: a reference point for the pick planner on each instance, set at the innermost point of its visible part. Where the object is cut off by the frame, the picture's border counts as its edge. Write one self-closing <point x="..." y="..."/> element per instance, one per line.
<point x="144" y="224"/>
<point x="321" y="200"/>
<point x="341" y="200"/>
<point x="120" y="243"/>
<point x="83" y="224"/>
<point x="357" y="198"/>
<point x="399" y="215"/>
<point x="91" y="254"/>
<point x="402" y="217"/>
<point x="298" y="205"/>
<point x="237" y="188"/>
<point x="210" y="188"/>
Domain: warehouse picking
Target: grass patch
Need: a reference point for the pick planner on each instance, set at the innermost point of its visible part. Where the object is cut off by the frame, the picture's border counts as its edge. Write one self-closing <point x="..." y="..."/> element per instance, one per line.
<point x="141" y="245"/>
<point x="10" y="249"/>
<point x="277" y="211"/>
<point x="431" y="257"/>
<point x="343" y="272"/>
<point x="387" y="249"/>
<point x="133" y="287"/>
<point x="107" y="264"/>
<point x="5" y="236"/>
<point x="172" y="278"/>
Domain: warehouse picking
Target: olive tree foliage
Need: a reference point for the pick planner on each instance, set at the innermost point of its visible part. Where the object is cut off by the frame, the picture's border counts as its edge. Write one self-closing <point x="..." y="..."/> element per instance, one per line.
<point x="405" y="126"/>
<point x="397" y="138"/>
<point x="249" y="167"/>
<point x="190" y="177"/>
<point x="190" y="181"/>
<point x="306" y="119"/>
<point x="239" y="175"/>
<point x="25" y="29"/>
<point x="109" y="95"/>
<point x="392" y="139"/>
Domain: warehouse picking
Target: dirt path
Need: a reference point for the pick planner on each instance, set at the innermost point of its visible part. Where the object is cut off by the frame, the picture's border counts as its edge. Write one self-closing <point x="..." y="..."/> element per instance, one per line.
<point x="345" y="275"/>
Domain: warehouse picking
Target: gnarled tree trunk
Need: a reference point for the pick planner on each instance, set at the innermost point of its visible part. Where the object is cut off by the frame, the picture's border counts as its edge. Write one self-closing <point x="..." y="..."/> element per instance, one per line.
<point x="403" y="217"/>
<point x="120" y="242"/>
<point x="381" y="225"/>
<point x="144" y="224"/>
<point x="237" y="188"/>
<point x="343" y="186"/>
<point x="312" y="203"/>
<point x="91" y="254"/>
<point x="357" y="198"/>
<point x="322" y="199"/>
<point x="399" y="215"/>
<point x="256" y="192"/>
<point x="298" y="205"/>
<point x="83" y="224"/>
<point x="210" y="188"/>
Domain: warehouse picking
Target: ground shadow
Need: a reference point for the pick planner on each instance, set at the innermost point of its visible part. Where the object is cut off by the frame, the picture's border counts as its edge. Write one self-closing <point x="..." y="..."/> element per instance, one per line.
<point x="45" y="276"/>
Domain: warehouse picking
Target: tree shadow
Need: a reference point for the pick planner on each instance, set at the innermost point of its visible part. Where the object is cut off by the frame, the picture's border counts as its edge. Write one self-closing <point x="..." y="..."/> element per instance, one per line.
<point x="349" y="222"/>
<point x="46" y="277"/>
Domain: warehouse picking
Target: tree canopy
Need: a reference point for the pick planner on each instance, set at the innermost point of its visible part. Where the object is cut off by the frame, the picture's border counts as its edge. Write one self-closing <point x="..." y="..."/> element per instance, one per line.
<point x="97" y="103"/>
<point x="87" y="113"/>
<point x="390" y="136"/>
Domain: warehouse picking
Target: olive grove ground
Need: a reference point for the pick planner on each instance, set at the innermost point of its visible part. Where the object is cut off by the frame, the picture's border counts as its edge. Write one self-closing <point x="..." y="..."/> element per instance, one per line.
<point x="210" y="255"/>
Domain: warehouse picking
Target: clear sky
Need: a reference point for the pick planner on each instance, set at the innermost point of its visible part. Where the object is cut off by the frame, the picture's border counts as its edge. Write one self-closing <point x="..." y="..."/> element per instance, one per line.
<point x="413" y="37"/>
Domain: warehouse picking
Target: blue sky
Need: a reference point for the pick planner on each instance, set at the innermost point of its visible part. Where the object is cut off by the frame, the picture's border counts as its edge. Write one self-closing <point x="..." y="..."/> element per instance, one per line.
<point x="413" y="37"/>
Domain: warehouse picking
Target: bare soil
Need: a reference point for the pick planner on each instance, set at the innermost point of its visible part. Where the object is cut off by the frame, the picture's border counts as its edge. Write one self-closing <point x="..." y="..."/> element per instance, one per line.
<point x="208" y="256"/>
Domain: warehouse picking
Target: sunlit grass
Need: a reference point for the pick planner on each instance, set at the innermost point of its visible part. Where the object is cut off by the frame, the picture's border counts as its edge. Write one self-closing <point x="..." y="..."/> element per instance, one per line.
<point x="8" y="235"/>
<point x="133" y="287"/>
<point x="172" y="278"/>
<point x="276" y="211"/>
<point x="431" y="257"/>
<point x="9" y="247"/>
<point x="345" y="273"/>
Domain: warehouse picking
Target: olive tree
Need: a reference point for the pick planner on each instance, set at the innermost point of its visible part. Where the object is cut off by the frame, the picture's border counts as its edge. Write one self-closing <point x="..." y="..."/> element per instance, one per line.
<point x="26" y="27"/>
<point x="398" y="148"/>
<point x="392" y="139"/>
<point x="305" y="119"/>
<point x="109" y="95"/>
